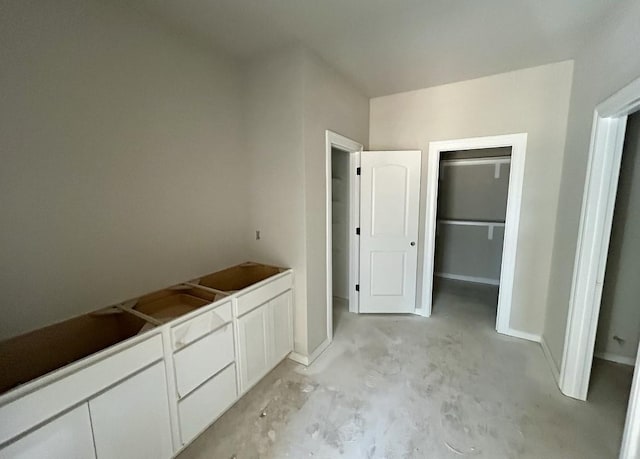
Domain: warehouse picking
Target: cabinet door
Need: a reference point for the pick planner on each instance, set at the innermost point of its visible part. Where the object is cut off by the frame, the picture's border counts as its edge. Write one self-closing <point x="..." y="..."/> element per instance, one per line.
<point x="66" y="437"/>
<point x="281" y="327"/>
<point x="253" y="346"/>
<point x="131" y="420"/>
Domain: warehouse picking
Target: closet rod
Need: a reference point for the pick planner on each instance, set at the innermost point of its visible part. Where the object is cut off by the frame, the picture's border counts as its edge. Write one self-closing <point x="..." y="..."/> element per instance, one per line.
<point x="476" y="161"/>
<point x="470" y="223"/>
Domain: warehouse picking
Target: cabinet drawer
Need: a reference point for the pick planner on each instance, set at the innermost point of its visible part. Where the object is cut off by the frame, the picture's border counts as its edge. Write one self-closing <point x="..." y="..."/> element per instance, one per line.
<point x="192" y="329"/>
<point x="207" y="403"/>
<point x="262" y="294"/>
<point x="202" y="359"/>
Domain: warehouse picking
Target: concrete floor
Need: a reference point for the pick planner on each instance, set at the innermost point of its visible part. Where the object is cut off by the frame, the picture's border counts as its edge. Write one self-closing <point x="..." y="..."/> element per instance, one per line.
<point x="409" y="387"/>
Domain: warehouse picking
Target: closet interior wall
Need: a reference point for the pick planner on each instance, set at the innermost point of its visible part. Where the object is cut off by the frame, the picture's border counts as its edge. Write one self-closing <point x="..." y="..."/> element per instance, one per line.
<point x="472" y="203"/>
<point x="340" y="222"/>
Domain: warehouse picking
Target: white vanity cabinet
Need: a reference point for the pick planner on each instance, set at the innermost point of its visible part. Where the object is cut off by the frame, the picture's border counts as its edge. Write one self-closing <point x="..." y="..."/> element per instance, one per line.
<point x="104" y="405"/>
<point x="142" y="379"/>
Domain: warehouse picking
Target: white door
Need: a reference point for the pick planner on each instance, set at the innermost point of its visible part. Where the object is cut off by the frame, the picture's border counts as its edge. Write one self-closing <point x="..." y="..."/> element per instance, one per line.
<point x="131" y="420"/>
<point x="389" y="205"/>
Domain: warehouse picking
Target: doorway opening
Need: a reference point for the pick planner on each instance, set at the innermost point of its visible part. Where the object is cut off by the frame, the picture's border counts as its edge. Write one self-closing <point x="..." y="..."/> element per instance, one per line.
<point x="471" y="212"/>
<point x="618" y="330"/>
<point x="516" y="144"/>
<point x="340" y="230"/>
<point x="608" y="141"/>
<point x="342" y="159"/>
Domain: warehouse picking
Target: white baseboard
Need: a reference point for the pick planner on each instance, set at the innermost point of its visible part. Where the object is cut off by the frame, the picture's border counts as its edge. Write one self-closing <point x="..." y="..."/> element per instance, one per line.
<point x="299" y="358"/>
<point x="522" y="335"/>
<point x="308" y="360"/>
<point x="552" y="363"/>
<point x="611" y="357"/>
<point x="477" y="280"/>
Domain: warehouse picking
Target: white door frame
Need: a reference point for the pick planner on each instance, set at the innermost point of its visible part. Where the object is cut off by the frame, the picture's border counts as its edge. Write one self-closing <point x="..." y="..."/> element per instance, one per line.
<point x="333" y="140"/>
<point x="603" y="169"/>
<point x="518" y="144"/>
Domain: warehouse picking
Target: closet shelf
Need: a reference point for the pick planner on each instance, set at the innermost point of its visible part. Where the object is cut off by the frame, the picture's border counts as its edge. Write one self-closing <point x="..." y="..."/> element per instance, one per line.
<point x="476" y="161"/>
<point x="470" y="222"/>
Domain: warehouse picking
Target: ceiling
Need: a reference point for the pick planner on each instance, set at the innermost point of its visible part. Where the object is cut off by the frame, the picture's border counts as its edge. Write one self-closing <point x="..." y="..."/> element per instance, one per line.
<point x="388" y="46"/>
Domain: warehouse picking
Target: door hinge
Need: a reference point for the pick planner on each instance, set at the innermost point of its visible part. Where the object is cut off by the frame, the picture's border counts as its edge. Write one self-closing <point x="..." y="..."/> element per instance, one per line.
<point x="357" y="171"/>
<point x="357" y="287"/>
<point x="358" y="231"/>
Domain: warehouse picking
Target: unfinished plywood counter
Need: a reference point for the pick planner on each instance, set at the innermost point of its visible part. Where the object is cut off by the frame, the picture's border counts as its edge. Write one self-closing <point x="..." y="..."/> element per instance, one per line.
<point x="143" y="378"/>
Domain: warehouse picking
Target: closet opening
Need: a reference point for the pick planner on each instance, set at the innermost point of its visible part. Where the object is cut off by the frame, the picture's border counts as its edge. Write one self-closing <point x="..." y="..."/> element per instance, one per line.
<point x="472" y="196"/>
<point x="478" y="210"/>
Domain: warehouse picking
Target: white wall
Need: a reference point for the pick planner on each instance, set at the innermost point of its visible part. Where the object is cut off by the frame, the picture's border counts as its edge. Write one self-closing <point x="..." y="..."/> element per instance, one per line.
<point x="273" y="108"/>
<point x="340" y="222"/>
<point x="534" y="101"/>
<point x="468" y="251"/>
<point x="292" y="97"/>
<point x="331" y="102"/>
<point x="122" y="168"/>
<point x="620" y="308"/>
<point x="608" y="62"/>
<point x="471" y="192"/>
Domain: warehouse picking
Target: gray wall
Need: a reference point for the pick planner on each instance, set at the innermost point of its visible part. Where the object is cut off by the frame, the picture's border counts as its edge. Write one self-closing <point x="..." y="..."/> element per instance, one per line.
<point x="340" y="224"/>
<point x="608" y="62"/>
<point x="471" y="192"/>
<point x="292" y="98"/>
<point x="273" y="126"/>
<point x="331" y="102"/>
<point x="620" y="307"/>
<point x="534" y="100"/>
<point x="467" y="251"/>
<point x="122" y="168"/>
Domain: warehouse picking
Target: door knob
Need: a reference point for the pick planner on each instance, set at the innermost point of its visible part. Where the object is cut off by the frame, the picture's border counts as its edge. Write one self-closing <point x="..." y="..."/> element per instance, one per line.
<point x="413" y="243"/>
